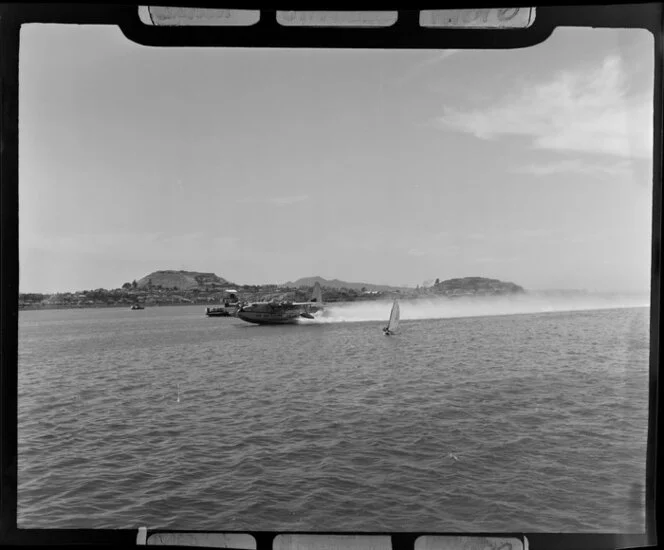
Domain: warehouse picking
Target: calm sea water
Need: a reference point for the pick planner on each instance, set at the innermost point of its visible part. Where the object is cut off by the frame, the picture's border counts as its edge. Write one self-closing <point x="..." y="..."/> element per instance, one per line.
<point x="166" y="418"/>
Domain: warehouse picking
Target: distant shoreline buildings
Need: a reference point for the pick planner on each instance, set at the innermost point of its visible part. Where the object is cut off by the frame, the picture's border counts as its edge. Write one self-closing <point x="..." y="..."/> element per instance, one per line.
<point x="162" y="288"/>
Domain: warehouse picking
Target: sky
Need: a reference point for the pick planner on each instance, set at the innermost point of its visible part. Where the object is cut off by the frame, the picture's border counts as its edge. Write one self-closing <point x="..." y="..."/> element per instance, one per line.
<point x="390" y="167"/>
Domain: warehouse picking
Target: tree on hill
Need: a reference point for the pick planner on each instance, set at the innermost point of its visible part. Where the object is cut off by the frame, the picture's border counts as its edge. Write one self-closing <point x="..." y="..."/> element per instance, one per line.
<point x="127" y="286"/>
<point x="134" y="284"/>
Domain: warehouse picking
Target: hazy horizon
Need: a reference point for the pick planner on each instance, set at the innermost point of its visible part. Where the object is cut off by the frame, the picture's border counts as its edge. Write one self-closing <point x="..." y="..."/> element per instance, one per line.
<point x="426" y="283"/>
<point x="532" y="166"/>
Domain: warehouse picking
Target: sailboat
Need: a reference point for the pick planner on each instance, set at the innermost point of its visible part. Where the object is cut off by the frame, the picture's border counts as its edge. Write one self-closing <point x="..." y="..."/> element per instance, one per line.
<point x="393" y="323"/>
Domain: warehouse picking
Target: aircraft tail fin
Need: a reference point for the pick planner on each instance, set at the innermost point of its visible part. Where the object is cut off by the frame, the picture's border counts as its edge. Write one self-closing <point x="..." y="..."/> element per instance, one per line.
<point x="317" y="294"/>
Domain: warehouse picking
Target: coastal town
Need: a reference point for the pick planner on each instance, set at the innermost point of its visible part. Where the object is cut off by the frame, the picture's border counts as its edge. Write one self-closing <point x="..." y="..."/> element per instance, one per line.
<point x="167" y="288"/>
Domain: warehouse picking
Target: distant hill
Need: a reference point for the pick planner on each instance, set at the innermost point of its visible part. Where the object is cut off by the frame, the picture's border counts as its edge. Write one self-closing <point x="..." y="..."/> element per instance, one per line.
<point x="336" y="283"/>
<point x="182" y="280"/>
<point x="475" y="286"/>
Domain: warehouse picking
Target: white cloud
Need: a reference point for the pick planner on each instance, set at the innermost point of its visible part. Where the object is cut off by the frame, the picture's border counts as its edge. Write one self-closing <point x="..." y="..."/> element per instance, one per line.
<point x="134" y="246"/>
<point x="278" y="201"/>
<point x="515" y="234"/>
<point x="434" y="251"/>
<point x="620" y="168"/>
<point x="436" y="244"/>
<point x="584" y="110"/>
<point x="419" y="67"/>
<point x="367" y="240"/>
<point x="283" y="201"/>
<point x="493" y="260"/>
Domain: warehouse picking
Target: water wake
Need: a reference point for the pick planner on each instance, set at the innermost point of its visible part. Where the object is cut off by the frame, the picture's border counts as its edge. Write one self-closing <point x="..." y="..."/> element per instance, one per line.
<point x="445" y="308"/>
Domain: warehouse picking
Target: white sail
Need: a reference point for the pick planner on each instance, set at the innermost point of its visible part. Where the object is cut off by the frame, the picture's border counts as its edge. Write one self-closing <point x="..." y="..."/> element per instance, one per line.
<point x="394" y="317"/>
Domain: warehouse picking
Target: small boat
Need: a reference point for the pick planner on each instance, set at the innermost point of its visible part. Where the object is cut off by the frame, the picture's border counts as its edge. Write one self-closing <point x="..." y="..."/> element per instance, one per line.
<point x="229" y="307"/>
<point x="393" y="323"/>
<point x="137" y="306"/>
<point x="218" y="311"/>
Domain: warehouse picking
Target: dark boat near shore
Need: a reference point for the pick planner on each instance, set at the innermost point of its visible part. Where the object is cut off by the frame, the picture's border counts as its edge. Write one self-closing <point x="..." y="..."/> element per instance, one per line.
<point x="229" y="307"/>
<point x="137" y="306"/>
<point x="222" y="311"/>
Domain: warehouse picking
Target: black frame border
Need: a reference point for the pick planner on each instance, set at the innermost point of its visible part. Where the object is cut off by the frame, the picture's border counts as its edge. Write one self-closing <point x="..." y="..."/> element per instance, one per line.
<point x="406" y="33"/>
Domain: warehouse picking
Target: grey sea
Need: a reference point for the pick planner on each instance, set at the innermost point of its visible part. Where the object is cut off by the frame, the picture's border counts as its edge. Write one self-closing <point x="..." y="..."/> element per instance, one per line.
<point x="165" y="418"/>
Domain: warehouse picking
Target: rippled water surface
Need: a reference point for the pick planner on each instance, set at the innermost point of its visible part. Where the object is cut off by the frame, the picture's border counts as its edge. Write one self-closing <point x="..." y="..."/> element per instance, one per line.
<point x="166" y="418"/>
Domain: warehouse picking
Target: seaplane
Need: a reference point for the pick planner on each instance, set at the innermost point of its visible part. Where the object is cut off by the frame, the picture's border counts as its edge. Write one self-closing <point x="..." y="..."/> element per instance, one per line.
<point x="282" y="312"/>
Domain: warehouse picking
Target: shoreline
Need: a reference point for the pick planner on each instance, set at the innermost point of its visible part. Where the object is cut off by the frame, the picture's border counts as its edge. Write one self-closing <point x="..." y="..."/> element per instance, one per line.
<point x="346" y="303"/>
<point x="103" y="306"/>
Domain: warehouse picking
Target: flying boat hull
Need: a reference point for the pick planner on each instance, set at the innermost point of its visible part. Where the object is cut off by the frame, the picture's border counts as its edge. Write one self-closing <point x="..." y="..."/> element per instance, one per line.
<point x="275" y="314"/>
<point x="281" y="313"/>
